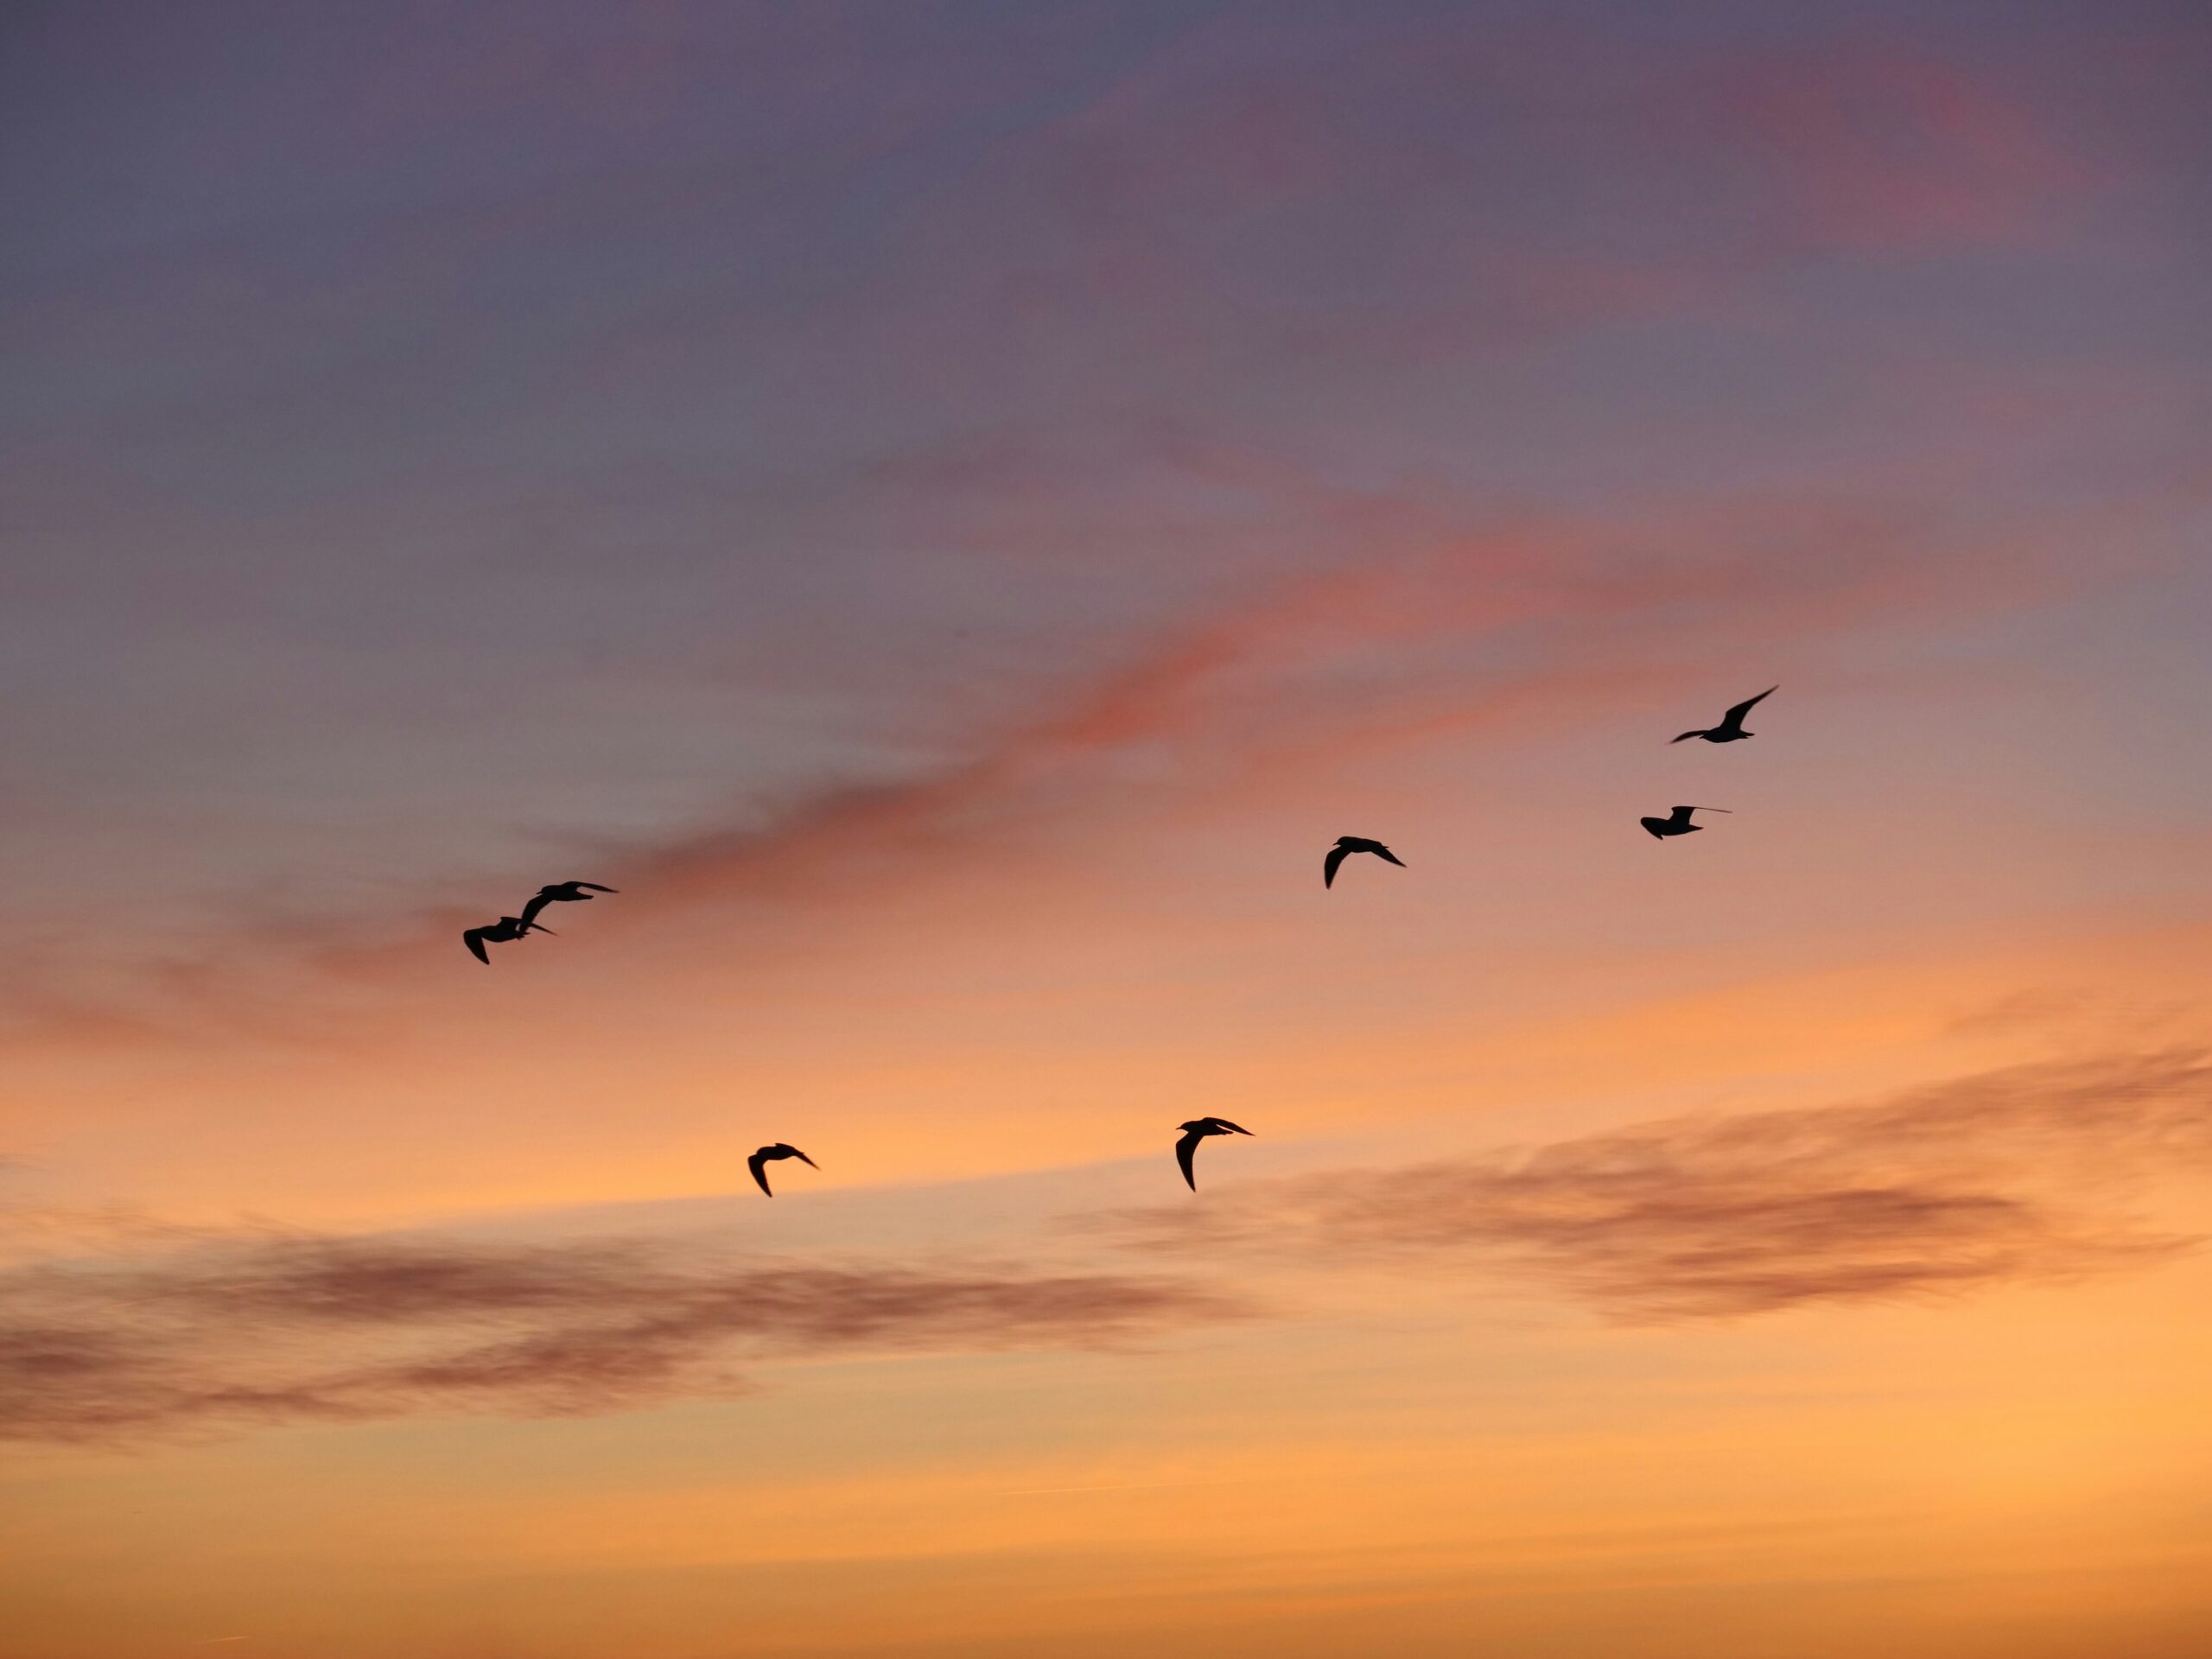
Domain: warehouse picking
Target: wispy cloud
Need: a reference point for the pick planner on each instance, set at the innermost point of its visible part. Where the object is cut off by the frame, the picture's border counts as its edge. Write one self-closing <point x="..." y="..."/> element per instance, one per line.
<point x="1487" y="619"/>
<point x="271" y="1328"/>
<point x="1899" y="150"/>
<point x="1973" y="1183"/>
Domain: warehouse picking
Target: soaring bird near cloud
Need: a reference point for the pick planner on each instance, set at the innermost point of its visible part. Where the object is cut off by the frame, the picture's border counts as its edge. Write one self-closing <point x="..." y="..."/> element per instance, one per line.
<point x="1353" y="844"/>
<point x="560" y="893"/>
<point x="1731" y="728"/>
<point x="1679" y="823"/>
<point x="499" y="932"/>
<point x="757" y="1162"/>
<point x="1195" y="1131"/>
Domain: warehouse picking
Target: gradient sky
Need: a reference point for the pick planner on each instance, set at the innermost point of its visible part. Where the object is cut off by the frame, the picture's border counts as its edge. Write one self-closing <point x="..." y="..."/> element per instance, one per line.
<point x="952" y="507"/>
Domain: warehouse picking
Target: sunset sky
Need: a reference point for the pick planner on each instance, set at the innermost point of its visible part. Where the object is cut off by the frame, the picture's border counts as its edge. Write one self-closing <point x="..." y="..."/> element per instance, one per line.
<point x="952" y="508"/>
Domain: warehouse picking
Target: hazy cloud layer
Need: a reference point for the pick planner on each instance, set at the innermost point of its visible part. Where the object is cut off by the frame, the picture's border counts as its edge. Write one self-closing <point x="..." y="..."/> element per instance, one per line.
<point x="279" y="1327"/>
<point x="2012" y="1176"/>
<point x="2015" y="1176"/>
<point x="1488" y="624"/>
<point x="822" y="388"/>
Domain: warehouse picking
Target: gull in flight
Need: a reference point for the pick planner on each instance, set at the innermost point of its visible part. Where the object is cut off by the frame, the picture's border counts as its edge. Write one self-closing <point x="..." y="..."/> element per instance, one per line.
<point x="1731" y="728"/>
<point x="758" y="1161"/>
<point x="506" y="928"/>
<point x="560" y="893"/>
<point x="1679" y="823"/>
<point x="1353" y="844"/>
<point x="1195" y="1131"/>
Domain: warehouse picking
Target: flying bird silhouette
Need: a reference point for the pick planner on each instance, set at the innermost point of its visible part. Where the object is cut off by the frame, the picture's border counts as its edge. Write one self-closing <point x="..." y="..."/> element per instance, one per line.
<point x="560" y="893"/>
<point x="1195" y="1131"/>
<point x="1731" y="728"/>
<point x="1679" y="823"/>
<point x="1353" y="844"/>
<point x="768" y="1155"/>
<point x="506" y="928"/>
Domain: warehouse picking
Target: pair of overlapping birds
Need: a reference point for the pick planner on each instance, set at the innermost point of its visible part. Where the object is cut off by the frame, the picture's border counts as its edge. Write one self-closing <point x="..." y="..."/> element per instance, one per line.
<point x="1677" y="823"/>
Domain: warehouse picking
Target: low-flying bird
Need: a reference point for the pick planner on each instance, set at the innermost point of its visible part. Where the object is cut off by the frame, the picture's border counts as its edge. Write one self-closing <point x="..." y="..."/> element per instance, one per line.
<point x="1679" y="823"/>
<point x="1353" y="844"/>
<point x="1731" y="728"/>
<point x="506" y="928"/>
<point x="560" y="893"/>
<point x="768" y="1155"/>
<point x="1195" y="1131"/>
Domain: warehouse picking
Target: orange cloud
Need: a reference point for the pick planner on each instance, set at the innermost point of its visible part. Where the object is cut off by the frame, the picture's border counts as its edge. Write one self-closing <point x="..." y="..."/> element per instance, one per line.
<point x="1931" y="1192"/>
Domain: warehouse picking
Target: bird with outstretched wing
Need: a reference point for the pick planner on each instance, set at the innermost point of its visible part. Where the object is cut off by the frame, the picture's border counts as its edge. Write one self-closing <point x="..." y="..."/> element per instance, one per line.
<point x="1731" y="728"/>
<point x="560" y="893"/>
<point x="505" y="928"/>
<point x="1195" y="1131"/>
<point x="758" y="1161"/>
<point x="1348" y="845"/>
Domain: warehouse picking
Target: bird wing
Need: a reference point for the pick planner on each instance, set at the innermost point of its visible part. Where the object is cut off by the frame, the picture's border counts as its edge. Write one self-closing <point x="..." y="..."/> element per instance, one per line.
<point x="538" y="901"/>
<point x="474" y="939"/>
<point x="1381" y="851"/>
<point x="1656" y="826"/>
<point x="1184" y="1148"/>
<point x="1223" y="1123"/>
<point x="595" y="886"/>
<point x="1686" y="736"/>
<point x="757" y="1164"/>
<point x="1328" y="865"/>
<point x="802" y="1157"/>
<point x="1735" y="716"/>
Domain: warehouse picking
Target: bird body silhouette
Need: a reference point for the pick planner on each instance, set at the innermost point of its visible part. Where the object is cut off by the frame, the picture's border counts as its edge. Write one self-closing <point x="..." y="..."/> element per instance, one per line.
<point x="758" y="1161"/>
<point x="1731" y="728"/>
<point x="499" y="932"/>
<point x="1195" y="1131"/>
<point x="1679" y="823"/>
<point x="559" y="893"/>
<point x="1353" y="844"/>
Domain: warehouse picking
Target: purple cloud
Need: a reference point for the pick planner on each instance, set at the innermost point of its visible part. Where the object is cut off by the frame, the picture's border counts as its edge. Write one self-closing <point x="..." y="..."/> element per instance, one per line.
<point x="274" y="1328"/>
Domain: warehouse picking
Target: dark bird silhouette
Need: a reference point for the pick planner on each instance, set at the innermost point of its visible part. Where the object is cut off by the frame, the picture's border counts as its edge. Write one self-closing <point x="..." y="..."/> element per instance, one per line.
<point x="1731" y="728"/>
<point x="768" y="1155"/>
<point x="560" y="893"/>
<point x="1353" y="844"/>
<point x="1679" y="824"/>
<point x="506" y="928"/>
<point x="1195" y="1131"/>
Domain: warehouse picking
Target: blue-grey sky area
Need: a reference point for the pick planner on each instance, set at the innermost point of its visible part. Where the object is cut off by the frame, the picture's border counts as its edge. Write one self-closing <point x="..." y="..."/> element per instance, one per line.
<point x="437" y="430"/>
<point x="952" y="508"/>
